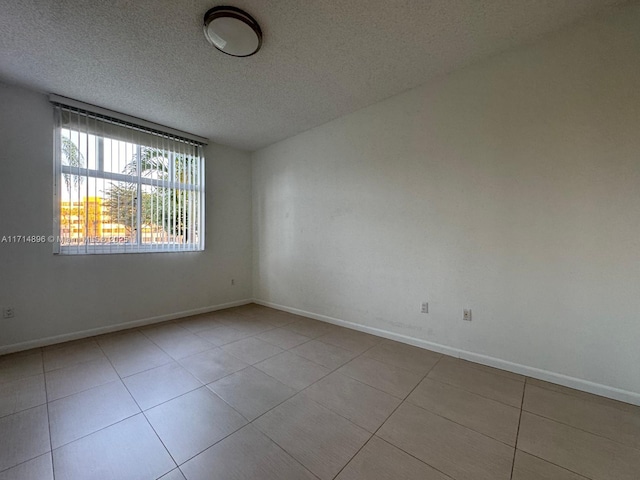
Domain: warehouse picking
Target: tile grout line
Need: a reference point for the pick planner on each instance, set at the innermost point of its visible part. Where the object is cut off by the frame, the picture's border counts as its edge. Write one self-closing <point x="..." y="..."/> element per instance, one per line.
<point x="96" y="431"/>
<point x="235" y="431"/>
<point x="561" y="422"/>
<point x="623" y="408"/>
<point x="286" y="453"/>
<point x="448" y="419"/>
<point x="476" y="393"/>
<point x="310" y="339"/>
<point x="259" y="361"/>
<point x="387" y="419"/>
<point x="84" y="389"/>
<point x="458" y="387"/>
<point x="333" y="371"/>
<point x="177" y="321"/>
<point x="557" y="465"/>
<point x="142" y="412"/>
<point x="582" y="430"/>
<point x="412" y="456"/>
<point x="300" y="391"/>
<point x="46" y="394"/>
<point x="402" y="399"/>
<point x="484" y="368"/>
<point x="26" y="461"/>
<point x="174" y="358"/>
<point x="135" y="414"/>
<point x="249" y="422"/>
<point x="120" y="380"/>
<point x="297" y="391"/>
<point x="84" y="340"/>
<point x="515" y="448"/>
<point x="205" y="385"/>
<point x="135" y="373"/>
<point x="308" y="386"/>
<point x="287" y="349"/>
<point x="461" y="424"/>
<point x="276" y="380"/>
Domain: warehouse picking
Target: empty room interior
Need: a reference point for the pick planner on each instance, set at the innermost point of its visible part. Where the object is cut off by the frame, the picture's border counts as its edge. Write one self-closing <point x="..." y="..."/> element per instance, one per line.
<point x="320" y="239"/>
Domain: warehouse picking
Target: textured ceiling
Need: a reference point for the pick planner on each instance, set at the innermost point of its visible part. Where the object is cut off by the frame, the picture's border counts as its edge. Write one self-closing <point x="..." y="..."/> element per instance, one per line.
<point x="320" y="59"/>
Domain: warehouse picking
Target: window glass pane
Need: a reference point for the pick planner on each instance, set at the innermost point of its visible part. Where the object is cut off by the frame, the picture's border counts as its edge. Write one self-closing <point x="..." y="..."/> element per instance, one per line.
<point x="122" y="190"/>
<point x="118" y="206"/>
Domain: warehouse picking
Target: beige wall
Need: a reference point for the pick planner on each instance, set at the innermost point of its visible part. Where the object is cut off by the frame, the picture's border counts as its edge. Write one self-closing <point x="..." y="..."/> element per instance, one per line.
<point x="511" y="187"/>
<point x="59" y="295"/>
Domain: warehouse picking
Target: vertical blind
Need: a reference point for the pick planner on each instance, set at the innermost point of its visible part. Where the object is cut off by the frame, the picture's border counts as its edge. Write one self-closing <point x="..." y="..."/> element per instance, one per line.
<point x="124" y="188"/>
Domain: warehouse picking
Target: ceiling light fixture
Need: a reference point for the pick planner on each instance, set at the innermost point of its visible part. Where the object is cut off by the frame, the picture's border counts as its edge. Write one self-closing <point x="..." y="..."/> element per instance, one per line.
<point x="232" y="31"/>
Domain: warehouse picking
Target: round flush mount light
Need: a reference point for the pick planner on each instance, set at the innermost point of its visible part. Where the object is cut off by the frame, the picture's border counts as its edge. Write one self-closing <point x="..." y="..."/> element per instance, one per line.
<point x="232" y="31"/>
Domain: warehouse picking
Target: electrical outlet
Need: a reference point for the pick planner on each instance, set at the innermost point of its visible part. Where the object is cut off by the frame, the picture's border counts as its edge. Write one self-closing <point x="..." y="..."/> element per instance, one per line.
<point x="425" y="307"/>
<point x="8" y="312"/>
<point x="466" y="314"/>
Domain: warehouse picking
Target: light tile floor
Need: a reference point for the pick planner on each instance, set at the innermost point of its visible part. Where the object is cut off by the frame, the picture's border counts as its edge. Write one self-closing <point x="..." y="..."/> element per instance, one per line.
<point x="255" y="393"/>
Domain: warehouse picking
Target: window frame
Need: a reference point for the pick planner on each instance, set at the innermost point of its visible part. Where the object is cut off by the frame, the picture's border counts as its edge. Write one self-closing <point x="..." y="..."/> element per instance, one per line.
<point x="140" y="180"/>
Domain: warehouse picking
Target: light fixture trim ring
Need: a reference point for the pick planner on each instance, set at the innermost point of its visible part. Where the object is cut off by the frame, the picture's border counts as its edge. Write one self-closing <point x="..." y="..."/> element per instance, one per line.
<point x="225" y="11"/>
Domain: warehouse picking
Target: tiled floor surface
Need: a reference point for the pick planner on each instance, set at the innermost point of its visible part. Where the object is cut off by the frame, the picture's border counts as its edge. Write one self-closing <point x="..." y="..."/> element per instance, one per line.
<point x="255" y="393"/>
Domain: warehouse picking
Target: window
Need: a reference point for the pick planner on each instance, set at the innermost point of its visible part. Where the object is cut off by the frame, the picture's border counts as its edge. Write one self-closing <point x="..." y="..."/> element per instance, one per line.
<point x="124" y="188"/>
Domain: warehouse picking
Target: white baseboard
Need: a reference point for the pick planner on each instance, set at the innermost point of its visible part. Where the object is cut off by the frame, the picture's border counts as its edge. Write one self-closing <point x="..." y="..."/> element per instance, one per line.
<point x="560" y="379"/>
<point x="66" y="337"/>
